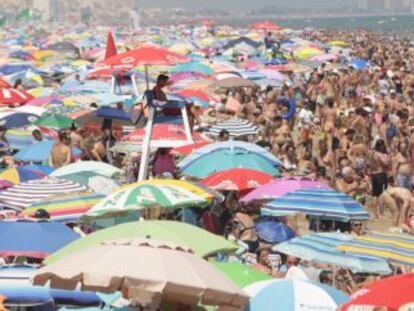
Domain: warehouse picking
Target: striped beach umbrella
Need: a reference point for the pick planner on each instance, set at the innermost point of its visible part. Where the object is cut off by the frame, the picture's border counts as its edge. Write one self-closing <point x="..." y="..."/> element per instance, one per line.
<point x="22" y="196"/>
<point x="66" y="207"/>
<point x="291" y="294"/>
<point x="235" y="126"/>
<point x="167" y="194"/>
<point x="321" y="248"/>
<point x="396" y="248"/>
<point x="323" y="203"/>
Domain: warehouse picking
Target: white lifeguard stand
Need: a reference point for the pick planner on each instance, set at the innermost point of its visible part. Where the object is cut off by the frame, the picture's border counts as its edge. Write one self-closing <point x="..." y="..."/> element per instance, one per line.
<point x="115" y="84"/>
<point x="147" y="144"/>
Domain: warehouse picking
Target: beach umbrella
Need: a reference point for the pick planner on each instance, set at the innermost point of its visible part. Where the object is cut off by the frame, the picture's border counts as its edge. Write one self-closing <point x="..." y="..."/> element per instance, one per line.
<point x="40" y="297"/>
<point x="188" y="149"/>
<point x="197" y="96"/>
<point x="4" y="184"/>
<point x="33" y="239"/>
<point x="4" y="83"/>
<point x="23" y="55"/>
<point x="65" y="207"/>
<point x="241" y="274"/>
<point x="235" y="126"/>
<point x="164" y="194"/>
<point x="308" y="52"/>
<point x="228" y="159"/>
<point x="291" y="294"/>
<point x="98" y="183"/>
<point x="233" y="82"/>
<point x="273" y="231"/>
<point x="25" y="295"/>
<point x="359" y="63"/>
<point x="338" y="43"/>
<point x="395" y="293"/>
<point x="241" y="40"/>
<point x="54" y="121"/>
<point x="266" y="25"/>
<point x="176" y="232"/>
<point x="229" y="146"/>
<point x="148" y="270"/>
<point x="87" y="166"/>
<point x="396" y="248"/>
<point x="39" y="152"/>
<point x="110" y="46"/>
<point x="321" y="248"/>
<point x="146" y="56"/>
<point x="12" y="119"/>
<point x="17" y="175"/>
<point x="324" y="203"/>
<point x="9" y="69"/>
<point x="23" y="195"/>
<point x="20" y="138"/>
<point x="325" y="57"/>
<point x="236" y="179"/>
<point x="43" y="169"/>
<point x="11" y="96"/>
<point x="280" y="187"/>
<point x="192" y="67"/>
<point x="163" y="132"/>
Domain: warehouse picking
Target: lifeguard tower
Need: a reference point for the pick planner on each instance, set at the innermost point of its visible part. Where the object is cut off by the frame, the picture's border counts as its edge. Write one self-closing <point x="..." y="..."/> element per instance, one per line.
<point x="154" y="117"/>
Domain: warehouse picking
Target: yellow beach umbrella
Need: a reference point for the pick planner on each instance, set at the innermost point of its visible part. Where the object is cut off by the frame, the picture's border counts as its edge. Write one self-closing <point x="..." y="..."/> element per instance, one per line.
<point x="308" y="52"/>
<point x="341" y="44"/>
<point x="41" y="55"/>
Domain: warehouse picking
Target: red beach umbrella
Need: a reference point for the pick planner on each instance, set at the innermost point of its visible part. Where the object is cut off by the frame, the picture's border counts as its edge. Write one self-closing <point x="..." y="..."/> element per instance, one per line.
<point x="237" y="179"/>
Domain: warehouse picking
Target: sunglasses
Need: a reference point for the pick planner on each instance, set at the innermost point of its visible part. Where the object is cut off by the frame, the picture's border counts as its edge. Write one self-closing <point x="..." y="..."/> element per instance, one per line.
<point x="357" y="225"/>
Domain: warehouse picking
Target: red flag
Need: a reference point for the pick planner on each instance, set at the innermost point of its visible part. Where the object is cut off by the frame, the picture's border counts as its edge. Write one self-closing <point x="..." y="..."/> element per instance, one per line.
<point x="110" y="46"/>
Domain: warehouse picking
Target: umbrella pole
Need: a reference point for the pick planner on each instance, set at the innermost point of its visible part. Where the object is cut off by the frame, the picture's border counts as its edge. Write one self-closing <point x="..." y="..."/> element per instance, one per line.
<point x="146" y="77"/>
<point x="143" y="167"/>
<point x="186" y="123"/>
<point x="113" y="83"/>
<point x="134" y="84"/>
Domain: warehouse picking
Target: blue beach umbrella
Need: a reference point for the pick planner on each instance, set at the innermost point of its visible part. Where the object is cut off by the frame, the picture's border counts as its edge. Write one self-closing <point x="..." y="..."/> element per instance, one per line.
<point x="321" y="248"/>
<point x="193" y="67"/>
<point x="229" y="145"/>
<point x="33" y="239"/>
<point x="39" y="168"/>
<point x="274" y="232"/>
<point x="39" y="152"/>
<point x="27" y="295"/>
<point x="323" y="203"/>
<point x="226" y="159"/>
<point x="17" y="119"/>
<point x="359" y="63"/>
<point x="291" y="294"/>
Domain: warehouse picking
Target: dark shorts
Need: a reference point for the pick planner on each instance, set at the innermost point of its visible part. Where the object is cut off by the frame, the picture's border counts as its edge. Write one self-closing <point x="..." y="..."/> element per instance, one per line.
<point x="379" y="184"/>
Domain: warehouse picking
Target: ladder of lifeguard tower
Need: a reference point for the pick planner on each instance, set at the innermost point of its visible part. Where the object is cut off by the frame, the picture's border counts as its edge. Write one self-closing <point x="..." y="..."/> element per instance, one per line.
<point x="148" y="143"/>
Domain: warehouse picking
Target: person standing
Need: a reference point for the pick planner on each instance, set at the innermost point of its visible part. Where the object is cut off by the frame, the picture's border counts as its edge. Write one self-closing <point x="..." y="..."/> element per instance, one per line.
<point x="61" y="153"/>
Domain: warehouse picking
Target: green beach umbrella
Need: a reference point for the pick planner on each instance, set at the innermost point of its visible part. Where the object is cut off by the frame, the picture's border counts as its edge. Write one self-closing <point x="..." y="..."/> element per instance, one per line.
<point x="192" y="67"/>
<point x="96" y="182"/>
<point x="144" y="195"/>
<point x="55" y="121"/>
<point x="202" y="242"/>
<point x="241" y="274"/>
<point x="226" y="159"/>
<point x="87" y="166"/>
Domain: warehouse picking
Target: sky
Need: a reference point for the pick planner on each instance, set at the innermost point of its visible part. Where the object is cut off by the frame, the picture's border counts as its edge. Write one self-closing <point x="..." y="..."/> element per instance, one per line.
<point x="242" y="4"/>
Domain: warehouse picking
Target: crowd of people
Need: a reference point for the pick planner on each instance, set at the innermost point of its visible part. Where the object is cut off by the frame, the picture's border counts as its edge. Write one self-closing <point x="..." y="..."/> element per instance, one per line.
<point x="352" y="129"/>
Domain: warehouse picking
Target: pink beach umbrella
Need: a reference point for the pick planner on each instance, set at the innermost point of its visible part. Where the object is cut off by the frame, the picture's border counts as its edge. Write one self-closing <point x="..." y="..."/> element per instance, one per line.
<point x="280" y="187"/>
